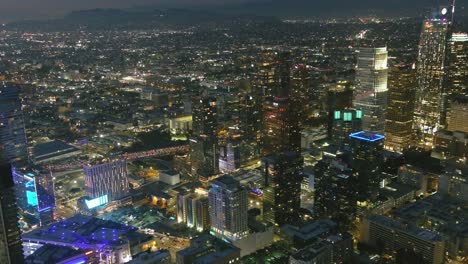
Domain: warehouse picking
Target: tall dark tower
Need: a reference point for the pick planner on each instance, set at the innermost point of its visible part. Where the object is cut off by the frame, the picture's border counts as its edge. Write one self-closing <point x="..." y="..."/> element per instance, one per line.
<point x="366" y="161"/>
<point x="204" y="153"/>
<point x="282" y="195"/>
<point x="13" y="141"/>
<point x="11" y="251"/>
<point x="250" y="126"/>
<point x="281" y="127"/>
<point x="301" y="91"/>
<point x="400" y="109"/>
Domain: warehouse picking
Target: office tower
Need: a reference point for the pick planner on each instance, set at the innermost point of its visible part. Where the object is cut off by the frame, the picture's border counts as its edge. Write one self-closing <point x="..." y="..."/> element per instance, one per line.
<point x="430" y="95"/>
<point x="370" y="94"/>
<point x="283" y="75"/>
<point x="193" y="210"/>
<point x="400" y="109"/>
<point x="458" y="114"/>
<point x="457" y="65"/>
<point x="12" y="134"/>
<point x="282" y="194"/>
<point x="301" y="91"/>
<point x="393" y="236"/>
<point x="335" y="192"/>
<point x="229" y="155"/>
<point x="250" y="126"/>
<point x="345" y="122"/>
<point x="228" y="208"/>
<point x="366" y="161"/>
<point x="204" y="153"/>
<point x="11" y="251"/>
<point x="108" y="179"/>
<point x="35" y="192"/>
<point x="281" y="127"/>
<point x="264" y="80"/>
<point x="339" y="97"/>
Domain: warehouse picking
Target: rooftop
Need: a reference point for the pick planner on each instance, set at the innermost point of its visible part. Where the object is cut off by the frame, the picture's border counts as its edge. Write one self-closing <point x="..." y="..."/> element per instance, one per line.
<point x="53" y="148"/>
<point x="53" y="254"/>
<point x="406" y="228"/>
<point x="84" y="232"/>
<point x="367" y="136"/>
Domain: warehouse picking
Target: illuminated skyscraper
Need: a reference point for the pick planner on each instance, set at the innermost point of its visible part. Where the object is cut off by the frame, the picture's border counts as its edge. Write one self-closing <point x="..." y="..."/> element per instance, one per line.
<point x="366" y="161"/>
<point x="12" y="134"/>
<point x="265" y="78"/>
<point x="400" y="109"/>
<point x="282" y="194"/>
<point x="457" y="65"/>
<point x="11" y="251"/>
<point x="370" y="95"/>
<point x="458" y="114"/>
<point x="430" y="95"/>
<point x="108" y="179"/>
<point x="281" y="127"/>
<point x="35" y="192"/>
<point x="228" y="208"/>
<point x="339" y="97"/>
<point x="204" y="153"/>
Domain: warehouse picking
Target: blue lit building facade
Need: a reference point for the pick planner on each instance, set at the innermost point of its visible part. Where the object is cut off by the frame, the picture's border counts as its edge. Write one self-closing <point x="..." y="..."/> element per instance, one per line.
<point x="35" y="193"/>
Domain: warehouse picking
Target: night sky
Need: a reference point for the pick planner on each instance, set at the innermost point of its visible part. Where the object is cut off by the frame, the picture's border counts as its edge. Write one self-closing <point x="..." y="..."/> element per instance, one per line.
<point x="33" y="9"/>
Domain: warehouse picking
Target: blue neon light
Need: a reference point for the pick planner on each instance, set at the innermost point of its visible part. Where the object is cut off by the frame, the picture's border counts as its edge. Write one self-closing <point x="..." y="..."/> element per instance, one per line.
<point x="93" y="203"/>
<point x="45" y="208"/>
<point x="29" y="184"/>
<point x="77" y="261"/>
<point x="31" y="198"/>
<point x="256" y="191"/>
<point x="370" y="137"/>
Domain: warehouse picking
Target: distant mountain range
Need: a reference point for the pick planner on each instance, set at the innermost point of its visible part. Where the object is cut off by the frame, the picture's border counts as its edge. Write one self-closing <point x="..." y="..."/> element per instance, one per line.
<point x="151" y="16"/>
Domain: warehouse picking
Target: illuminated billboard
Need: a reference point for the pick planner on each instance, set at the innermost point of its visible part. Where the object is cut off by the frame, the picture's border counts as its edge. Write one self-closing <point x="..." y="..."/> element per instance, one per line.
<point x="93" y="203"/>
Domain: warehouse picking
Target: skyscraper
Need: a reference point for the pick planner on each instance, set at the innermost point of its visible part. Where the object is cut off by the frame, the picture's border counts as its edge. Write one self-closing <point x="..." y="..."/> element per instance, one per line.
<point x="399" y="118"/>
<point x="366" y="161"/>
<point x="35" y="192"/>
<point x="457" y="65"/>
<point x="370" y="95"/>
<point x="282" y="194"/>
<point x="301" y="91"/>
<point x="339" y="97"/>
<point x="250" y="126"/>
<point x="12" y="134"/>
<point x="11" y="251"/>
<point x="281" y="126"/>
<point x="228" y="208"/>
<point x="108" y="179"/>
<point x="204" y="153"/>
<point x="430" y="95"/>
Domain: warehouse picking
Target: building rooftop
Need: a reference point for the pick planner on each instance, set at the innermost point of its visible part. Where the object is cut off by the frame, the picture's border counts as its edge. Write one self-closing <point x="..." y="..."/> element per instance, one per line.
<point x="310" y="231"/>
<point x="366" y="136"/>
<point x="85" y="232"/>
<point x="206" y="249"/>
<point x="52" y="149"/>
<point x="53" y="254"/>
<point x="406" y="228"/>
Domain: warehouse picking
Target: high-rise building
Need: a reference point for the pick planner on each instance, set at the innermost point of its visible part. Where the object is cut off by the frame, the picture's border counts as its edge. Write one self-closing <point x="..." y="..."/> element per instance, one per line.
<point x="282" y="194"/>
<point x="281" y="126"/>
<point x="250" y="126"/>
<point x="335" y="192"/>
<point x="13" y="142"/>
<point x="366" y="161"/>
<point x="229" y="155"/>
<point x="204" y="153"/>
<point x="339" y="97"/>
<point x="228" y="207"/>
<point x="108" y="179"/>
<point x="430" y="95"/>
<point x="345" y="122"/>
<point x="301" y="91"/>
<point x="11" y="251"/>
<point x="400" y="109"/>
<point x="35" y="192"/>
<point x="192" y="210"/>
<point x="370" y="94"/>
<point x="457" y="65"/>
<point x="265" y="80"/>
<point x="458" y="114"/>
<point x="393" y="236"/>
